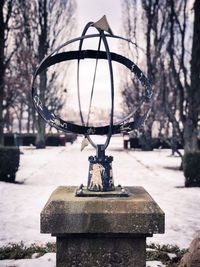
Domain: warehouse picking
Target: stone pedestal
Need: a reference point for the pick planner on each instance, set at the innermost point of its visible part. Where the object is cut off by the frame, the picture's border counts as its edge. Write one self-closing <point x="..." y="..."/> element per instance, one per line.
<point x="101" y="231"/>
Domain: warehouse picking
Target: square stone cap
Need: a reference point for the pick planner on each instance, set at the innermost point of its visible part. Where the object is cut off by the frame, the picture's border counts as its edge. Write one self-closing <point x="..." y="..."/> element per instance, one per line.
<point x="66" y="214"/>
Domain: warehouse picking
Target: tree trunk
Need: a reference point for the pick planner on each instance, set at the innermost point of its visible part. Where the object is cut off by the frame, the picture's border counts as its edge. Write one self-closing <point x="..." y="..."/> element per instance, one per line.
<point x="2" y="71"/>
<point x="40" y="138"/>
<point x="190" y="136"/>
<point x="28" y="119"/>
<point x="33" y="119"/>
<point x="43" y="47"/>
<point x="20" y="118"/>
<point x="1" y="110"/>
<point x="191" y="125"/>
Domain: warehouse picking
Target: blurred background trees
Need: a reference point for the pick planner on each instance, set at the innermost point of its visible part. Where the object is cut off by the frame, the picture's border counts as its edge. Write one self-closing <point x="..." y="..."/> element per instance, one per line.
<point x="29" y="31"/>
<point x="168" y="34"/>
<point x="9" y="28"/>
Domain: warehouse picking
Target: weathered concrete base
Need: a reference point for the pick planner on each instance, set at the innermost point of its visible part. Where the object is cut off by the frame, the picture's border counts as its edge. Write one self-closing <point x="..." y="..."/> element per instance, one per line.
<point x="101" y="231"/>
<point x="101" y="251"/>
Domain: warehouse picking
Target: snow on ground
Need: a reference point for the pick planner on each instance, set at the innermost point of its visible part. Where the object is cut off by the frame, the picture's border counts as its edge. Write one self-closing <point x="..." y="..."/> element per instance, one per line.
<point x="154" y="264"/>
<point x="41" y="171"/>
<point x="49" y="260"/>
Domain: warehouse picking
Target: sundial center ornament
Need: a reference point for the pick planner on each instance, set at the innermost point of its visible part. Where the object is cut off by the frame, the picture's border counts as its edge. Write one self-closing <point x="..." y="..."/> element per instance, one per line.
<point x="100" y="177"/>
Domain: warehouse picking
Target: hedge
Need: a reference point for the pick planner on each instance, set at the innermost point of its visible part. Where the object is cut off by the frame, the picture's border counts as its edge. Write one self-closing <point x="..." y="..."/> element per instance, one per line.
<point x="9" y="163"/>
<point x="29" y="139"/>
<point x="191" y="168"/>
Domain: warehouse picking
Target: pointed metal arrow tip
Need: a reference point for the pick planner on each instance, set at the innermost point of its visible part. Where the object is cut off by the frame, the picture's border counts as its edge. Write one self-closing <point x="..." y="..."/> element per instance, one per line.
<point x="102" y="24"/>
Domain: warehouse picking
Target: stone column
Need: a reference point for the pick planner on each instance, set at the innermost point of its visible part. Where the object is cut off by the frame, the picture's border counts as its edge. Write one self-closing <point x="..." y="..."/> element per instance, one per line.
<point x="101" y="231"/>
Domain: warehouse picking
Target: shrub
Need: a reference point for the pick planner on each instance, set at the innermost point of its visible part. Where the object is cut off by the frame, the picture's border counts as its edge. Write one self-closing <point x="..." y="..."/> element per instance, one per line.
<point x="9" y="163"/>
<point x="156" y="252"/>
<point x="9" y="140"/>
<point x="28" y="139"/>
<point x="71" y="137"/>
<point x="16" y="139"/>
<point x="60" y="139"/>
<point x="145" y="141"/>
<point x="134" y="143"/>
<point x="52" y="140"/>
<point x="20" y="251"/>
<point x="191" y="163"/>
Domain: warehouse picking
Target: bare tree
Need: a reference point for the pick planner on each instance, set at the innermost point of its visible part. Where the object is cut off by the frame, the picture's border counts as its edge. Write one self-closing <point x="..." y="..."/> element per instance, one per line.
<point x="9" y="26"/>
<point x="193" y="114"/>
<point x="153" y="18"/>
<point x="55" y="18"/>
<point x="43" y="25"/>
<point x="168" y="53"/>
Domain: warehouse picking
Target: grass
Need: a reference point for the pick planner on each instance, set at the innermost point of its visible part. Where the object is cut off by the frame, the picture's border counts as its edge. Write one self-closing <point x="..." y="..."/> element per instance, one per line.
<point x="161" y="253"/>
<point x="154" y="252"/>
<point x="20" y="251"/>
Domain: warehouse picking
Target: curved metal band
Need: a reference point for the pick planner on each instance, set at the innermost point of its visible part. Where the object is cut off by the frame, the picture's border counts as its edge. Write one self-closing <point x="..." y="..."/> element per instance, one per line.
<point x="102" y="36"/>
<point x="148" y="90"/>
<point x="89" y="24"/>
<point x="66" y="126"/>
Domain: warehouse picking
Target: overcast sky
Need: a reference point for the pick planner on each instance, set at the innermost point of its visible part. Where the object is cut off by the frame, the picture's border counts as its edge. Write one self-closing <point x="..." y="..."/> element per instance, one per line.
<point x="93" y="10"/>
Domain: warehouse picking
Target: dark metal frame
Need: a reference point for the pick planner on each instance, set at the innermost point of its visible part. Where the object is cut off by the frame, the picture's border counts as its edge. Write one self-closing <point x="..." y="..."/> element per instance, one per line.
<point x="100" y="165"/>
<point x="126" y="123"/>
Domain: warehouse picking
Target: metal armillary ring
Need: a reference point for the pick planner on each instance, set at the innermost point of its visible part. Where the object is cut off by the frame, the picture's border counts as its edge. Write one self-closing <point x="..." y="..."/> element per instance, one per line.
<point x="100" y="171"/>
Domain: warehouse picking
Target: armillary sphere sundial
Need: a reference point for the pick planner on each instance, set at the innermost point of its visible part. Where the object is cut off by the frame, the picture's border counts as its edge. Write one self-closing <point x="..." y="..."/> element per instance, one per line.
<point x="100" y="178"/>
